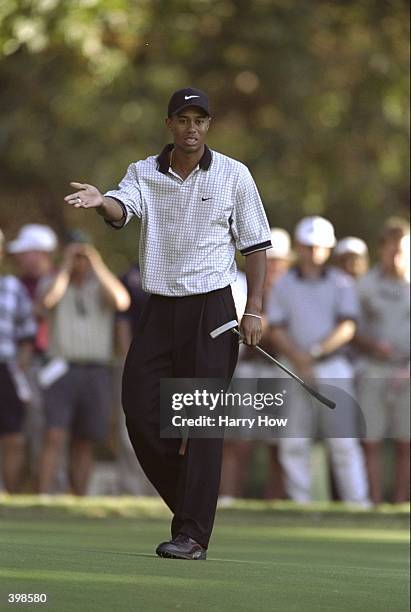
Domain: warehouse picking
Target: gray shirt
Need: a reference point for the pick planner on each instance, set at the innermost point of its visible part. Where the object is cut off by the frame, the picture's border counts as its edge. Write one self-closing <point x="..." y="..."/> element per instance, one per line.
<point x="310" y="309"/>
<point x="385" y="311"/>
<point x="190" y="229"/>
<point x="81" y="324"/>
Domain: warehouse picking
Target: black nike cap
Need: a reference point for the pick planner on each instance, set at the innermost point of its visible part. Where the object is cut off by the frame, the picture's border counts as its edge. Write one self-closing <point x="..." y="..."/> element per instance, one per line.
<point x="182" y="98"/>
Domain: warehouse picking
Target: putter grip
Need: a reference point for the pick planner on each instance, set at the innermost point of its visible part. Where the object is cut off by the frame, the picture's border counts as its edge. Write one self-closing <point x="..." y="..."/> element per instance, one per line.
<point x="321" y="398"/>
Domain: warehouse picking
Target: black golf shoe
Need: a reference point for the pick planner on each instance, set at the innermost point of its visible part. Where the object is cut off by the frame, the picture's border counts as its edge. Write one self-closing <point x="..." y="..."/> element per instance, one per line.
<point x="182" y="547"/>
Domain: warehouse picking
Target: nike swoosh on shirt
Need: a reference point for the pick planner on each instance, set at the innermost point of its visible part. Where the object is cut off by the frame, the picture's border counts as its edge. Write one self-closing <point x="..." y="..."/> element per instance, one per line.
<point x="189" y="97"/>
<point x="205" y="199"/>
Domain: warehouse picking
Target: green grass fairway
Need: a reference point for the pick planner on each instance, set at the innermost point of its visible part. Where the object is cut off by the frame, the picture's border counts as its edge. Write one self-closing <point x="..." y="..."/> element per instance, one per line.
<point x="255" y="563"/>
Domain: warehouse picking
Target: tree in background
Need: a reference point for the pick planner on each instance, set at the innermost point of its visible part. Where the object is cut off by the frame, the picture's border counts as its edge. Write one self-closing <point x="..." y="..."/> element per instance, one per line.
<point x="312" y="96"/>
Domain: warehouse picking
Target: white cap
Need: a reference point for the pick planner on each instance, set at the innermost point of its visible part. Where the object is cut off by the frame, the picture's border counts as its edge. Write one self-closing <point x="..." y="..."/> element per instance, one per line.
<point x="280" y="239"/>
<point x="315" y="231"/>
<point x="33" y="237"/>
<point x="350" y="244"/>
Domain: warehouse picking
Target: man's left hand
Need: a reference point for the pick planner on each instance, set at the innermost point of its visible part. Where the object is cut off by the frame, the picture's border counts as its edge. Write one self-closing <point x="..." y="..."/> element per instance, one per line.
<point x="251" y="329"/>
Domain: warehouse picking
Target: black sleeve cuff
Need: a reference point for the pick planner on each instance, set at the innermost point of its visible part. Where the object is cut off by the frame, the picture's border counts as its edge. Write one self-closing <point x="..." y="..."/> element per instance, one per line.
<point x="118" y="224"/>
<point x="263" y="246"/>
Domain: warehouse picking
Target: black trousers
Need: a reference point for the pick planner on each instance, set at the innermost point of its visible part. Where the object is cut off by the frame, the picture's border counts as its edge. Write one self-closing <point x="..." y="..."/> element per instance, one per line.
<point x="173" y="340"/>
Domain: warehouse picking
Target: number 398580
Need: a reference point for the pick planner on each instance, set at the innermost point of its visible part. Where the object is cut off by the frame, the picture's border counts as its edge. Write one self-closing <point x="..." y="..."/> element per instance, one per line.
<point x="27" y="598"/>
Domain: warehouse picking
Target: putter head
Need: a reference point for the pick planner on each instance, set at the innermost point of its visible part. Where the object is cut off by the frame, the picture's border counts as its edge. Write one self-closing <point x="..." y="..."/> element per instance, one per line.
<point x="223" y="328"/>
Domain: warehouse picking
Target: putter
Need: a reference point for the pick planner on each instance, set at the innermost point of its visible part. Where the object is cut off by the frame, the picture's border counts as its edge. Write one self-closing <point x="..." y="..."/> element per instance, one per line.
<point x="232" y="325"/>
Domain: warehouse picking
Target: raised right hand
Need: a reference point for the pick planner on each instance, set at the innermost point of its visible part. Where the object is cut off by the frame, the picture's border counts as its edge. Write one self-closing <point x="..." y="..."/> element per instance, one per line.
<point x="86" y="196"/>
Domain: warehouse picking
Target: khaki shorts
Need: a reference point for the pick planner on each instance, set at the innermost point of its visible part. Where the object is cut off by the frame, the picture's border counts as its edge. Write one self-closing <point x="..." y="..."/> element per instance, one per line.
<point x="383" y="393"/>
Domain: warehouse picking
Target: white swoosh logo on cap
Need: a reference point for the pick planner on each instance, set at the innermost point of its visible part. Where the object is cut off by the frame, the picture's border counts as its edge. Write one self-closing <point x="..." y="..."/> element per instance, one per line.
<point x="189" y="97"/>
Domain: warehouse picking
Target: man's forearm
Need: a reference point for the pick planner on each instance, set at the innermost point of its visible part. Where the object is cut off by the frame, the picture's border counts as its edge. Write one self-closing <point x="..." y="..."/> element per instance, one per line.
<point x="110" y="209"/>
<point x="341" y="335"/>
<point x="255" y="270"/>
<point x="283" y="343"/>
<point x="115" y="292"/>
<point x="55" y="292"/>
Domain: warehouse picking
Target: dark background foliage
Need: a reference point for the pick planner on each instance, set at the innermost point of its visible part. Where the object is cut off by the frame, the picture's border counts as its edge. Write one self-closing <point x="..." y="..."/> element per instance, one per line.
<point x="312" y="96"/>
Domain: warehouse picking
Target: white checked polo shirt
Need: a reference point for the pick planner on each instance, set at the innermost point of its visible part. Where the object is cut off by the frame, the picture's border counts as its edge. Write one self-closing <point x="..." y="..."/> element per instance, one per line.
<point x="190" y="228"/>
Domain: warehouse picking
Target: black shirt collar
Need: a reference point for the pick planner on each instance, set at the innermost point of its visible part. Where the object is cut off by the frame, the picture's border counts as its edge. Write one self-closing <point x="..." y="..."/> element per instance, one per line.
<point x="298" y="272"/>
<point x="163" y="159"/>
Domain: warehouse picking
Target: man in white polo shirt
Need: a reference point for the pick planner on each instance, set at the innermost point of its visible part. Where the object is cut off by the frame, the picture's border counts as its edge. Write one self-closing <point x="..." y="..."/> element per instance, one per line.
<point x="196" y="207"/>
<point x="383" y="337"/>
<point x="312" y="312"/>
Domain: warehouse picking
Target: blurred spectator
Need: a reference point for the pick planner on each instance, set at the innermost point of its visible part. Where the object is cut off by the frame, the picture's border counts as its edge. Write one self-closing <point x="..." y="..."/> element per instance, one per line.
<point x="130" y="476"/>
<point x="17" y="333"/>
<point x="32" y="252"/>
<point x="384" y="338"/>
<point x="351" y="255"/>
<point x="312" y="311"/>
<point x="81" y="301"/>
<point x="237" y="453"/>
<point x="279" y="259"/>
